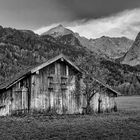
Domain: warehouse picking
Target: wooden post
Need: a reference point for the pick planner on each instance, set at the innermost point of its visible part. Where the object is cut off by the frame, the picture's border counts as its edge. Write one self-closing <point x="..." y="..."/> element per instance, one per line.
<point x="22" y="94"/>
<point x="29" y="93"/>
<point x="67" y="70"/>
<point x="55" y="68"/>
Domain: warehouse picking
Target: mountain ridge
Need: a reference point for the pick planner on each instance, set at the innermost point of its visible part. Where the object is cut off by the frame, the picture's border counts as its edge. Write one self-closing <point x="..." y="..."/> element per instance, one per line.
<point x="109" y="47"/>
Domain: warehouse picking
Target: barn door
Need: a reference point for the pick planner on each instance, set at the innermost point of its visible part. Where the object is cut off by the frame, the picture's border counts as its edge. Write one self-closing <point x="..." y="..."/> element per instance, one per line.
<point x="99" y="105"/>
<point x="63" y="87"/>
<point x="24" y="99"/>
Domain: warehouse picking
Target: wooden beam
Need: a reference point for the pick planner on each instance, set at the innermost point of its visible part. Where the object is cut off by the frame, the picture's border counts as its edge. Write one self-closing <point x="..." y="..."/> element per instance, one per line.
<point x="62" y="59"/>
<point x="15" y="82"/>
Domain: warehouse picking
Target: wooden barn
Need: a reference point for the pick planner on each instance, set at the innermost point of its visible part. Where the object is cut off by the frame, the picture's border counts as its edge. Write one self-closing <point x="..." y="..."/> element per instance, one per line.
<point x="52" y="87"/>
<point x="103" y="100"/>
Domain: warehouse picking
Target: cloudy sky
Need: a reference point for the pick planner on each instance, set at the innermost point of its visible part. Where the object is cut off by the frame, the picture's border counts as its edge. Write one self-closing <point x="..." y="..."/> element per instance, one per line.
<point x="90" y="18"/>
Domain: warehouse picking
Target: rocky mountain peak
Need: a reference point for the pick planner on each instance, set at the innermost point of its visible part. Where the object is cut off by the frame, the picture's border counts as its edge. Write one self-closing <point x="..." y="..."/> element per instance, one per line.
<point x="60" y="26"/>
<point x="58" y="31"/>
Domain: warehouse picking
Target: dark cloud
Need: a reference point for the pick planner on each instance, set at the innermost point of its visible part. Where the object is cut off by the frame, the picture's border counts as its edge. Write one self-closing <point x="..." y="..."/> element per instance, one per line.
<point x="98" y="8"/>
<point x="32" y="14"/>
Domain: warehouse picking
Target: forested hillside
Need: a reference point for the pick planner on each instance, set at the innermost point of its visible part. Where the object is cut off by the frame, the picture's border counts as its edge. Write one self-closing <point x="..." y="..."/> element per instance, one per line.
<point x="20" y="49"/>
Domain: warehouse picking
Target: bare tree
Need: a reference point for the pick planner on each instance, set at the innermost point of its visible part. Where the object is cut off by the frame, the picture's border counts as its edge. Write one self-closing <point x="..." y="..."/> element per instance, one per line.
<point x="91" y="70"/>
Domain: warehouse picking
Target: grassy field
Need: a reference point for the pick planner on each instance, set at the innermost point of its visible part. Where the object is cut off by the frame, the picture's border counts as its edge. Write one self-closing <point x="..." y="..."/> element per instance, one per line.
<point x="122" y="125"/>
<point x="128" y="103"/>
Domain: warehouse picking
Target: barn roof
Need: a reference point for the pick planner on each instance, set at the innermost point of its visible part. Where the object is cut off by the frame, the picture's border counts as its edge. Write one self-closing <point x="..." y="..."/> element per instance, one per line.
<point x="34" y="69"/>
<point x="107" y="86"/>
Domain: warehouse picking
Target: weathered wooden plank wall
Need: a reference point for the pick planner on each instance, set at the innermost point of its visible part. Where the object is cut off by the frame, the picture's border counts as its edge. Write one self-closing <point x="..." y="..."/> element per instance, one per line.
<point x="20" y="92"/>
<point x="54" y="90"/>
<point x="15" y="99"/>
<point x="103" y="101"/>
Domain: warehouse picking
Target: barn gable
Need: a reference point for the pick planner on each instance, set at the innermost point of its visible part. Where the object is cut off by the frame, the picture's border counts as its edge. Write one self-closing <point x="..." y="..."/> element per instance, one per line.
<point x="62" y="57"/>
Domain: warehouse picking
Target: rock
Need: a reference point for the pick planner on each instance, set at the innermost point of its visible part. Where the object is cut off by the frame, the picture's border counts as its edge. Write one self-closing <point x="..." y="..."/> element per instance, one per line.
<point x="132" y="57"/>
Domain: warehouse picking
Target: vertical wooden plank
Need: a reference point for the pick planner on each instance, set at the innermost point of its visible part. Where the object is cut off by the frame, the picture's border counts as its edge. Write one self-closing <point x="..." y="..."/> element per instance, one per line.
<point x="36" y="92"/>
<point x="55" y="68"/>
<point x="67" y="70"/>
<point x="29" y="93"/>
<point x="22" y="99"/>
<point x="33" y="83"/>
<point x="58" y="93"/>
<point x="46" y="89"/>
